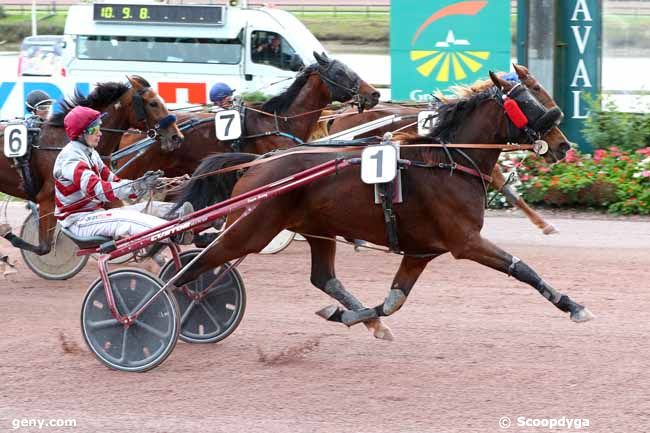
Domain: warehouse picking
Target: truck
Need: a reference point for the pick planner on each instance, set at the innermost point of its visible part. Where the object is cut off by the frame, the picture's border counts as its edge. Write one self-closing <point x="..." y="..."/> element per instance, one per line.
<point x="180" y="49"/>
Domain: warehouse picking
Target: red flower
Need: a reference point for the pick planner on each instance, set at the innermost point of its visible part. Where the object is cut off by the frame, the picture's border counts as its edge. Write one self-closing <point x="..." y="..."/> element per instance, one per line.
<point x="599" y="154"/>
<point x="571" y="156"/>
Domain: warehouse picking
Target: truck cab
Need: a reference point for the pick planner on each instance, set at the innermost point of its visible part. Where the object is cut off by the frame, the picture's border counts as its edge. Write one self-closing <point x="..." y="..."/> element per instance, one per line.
<point x="249" y="49"/>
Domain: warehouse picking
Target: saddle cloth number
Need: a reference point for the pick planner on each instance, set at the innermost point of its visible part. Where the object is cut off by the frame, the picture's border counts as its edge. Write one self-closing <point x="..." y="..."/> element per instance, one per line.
<point x="378" y="164"/>
<point x="427" y="120"/>
<point x="227" y="124"/>
<point x="15" y="140"/>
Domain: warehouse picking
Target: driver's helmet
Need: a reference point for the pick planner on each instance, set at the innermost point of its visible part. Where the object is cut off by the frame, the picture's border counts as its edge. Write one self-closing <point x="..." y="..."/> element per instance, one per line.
<point x="79" y="119"/>
<point x="37" y="100"/>
<point x="220" y="91"/>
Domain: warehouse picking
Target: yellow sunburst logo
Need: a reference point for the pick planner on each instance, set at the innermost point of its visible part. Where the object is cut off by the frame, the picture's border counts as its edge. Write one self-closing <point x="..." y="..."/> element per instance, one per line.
<point x="446" y="63"/>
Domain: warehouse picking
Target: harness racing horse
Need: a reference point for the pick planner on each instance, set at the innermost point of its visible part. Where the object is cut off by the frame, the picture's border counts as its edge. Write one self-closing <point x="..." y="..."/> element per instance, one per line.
<point x="440" y="212"/>
<point x="129" y="105"/>
<point x="295" y="113"/>
<point x="409" y="114"/>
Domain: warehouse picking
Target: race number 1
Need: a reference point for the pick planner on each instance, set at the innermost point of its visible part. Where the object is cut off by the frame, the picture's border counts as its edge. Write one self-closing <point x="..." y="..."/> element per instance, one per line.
<point x="15" y="140"/>
<point x="427" y="120"/>
<point x="378" y="164"/>
<point x="227" y="124"/>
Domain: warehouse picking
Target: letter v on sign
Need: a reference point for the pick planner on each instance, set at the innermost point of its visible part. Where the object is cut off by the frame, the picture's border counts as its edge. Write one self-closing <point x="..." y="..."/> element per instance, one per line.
<point x="581" y="41"/>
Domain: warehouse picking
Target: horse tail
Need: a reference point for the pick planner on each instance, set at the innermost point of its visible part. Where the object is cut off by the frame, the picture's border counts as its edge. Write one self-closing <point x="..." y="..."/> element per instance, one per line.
<point x="204" y="189"/>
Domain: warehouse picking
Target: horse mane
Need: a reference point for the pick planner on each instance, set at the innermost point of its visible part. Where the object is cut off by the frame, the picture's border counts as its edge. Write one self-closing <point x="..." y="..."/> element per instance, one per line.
<point x="281" y="102"/>
<point x="101" y="96"/>
<point x="452" y="113"/>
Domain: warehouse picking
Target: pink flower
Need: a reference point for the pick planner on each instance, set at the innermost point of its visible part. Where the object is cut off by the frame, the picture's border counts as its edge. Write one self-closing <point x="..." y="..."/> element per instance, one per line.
<point x="645" y="173"/>
<point x="599" y="154"/>
<point x="644" y="151"/>
<point x="571" y="156"/>
<point x="544" y="169"/>
<point x="524" y="177"/>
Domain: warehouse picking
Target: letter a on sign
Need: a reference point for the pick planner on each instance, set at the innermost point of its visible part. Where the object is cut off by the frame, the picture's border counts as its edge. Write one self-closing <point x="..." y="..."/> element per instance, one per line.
<point x="378" y="164"/>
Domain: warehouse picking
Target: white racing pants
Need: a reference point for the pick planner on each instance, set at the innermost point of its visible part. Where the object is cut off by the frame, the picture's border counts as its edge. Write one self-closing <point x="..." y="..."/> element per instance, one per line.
<point x="121" y="222"/>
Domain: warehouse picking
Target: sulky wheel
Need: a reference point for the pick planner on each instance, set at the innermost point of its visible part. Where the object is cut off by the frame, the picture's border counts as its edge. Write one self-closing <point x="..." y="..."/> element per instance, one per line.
<point x="61" y="263"/>
<point x="211" y="316"/>
<point x="144" y="344"/>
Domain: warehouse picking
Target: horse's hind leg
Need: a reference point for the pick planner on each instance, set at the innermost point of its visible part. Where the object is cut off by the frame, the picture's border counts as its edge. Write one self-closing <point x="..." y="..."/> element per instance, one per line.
<point x="323" y="276"/>
<point x="486" y="253"/>
<point x="408" y="273"/>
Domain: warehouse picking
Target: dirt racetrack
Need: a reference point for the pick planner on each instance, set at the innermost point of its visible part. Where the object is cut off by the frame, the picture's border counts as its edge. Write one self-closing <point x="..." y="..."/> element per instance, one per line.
<point x="472" y="346"/>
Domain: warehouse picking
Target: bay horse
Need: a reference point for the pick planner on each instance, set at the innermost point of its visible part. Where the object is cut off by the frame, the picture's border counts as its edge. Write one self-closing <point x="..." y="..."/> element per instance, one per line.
<point x="134" y="104"/>
<point x="409" y="113"/>
<point x="440" y="213"/>
<point x="294" y="114"/>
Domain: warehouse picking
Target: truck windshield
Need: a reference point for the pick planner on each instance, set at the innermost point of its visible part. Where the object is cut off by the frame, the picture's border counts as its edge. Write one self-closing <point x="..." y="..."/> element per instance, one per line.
<point x="157" y="49"/>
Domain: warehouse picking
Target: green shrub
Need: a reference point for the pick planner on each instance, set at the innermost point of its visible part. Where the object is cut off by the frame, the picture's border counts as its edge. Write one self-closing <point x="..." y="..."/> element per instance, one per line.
<point x="609" y="127"/>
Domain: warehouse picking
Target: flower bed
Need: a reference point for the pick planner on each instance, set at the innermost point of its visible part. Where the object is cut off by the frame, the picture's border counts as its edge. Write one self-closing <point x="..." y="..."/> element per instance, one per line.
<point x="609" y="179"/>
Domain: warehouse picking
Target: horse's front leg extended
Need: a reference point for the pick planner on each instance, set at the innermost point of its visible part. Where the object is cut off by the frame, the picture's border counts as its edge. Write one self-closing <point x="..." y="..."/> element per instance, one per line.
<point x="408" y="273"/>
<point x="323" y="276"/>
<point x="486" y="253"/>
<point x="511" y="195"/>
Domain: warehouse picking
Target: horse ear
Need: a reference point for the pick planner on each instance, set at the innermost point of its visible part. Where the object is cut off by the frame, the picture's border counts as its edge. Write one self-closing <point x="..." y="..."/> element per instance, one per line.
<point x="321" y="58"/>
<point x="522" y="71"/>
<point x="496" y="80"/>
<point x="135" y="83"/>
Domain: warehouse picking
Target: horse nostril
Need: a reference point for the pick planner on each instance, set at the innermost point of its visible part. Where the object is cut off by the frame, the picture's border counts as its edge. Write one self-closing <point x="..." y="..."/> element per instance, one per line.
<point x="376" y="95"/>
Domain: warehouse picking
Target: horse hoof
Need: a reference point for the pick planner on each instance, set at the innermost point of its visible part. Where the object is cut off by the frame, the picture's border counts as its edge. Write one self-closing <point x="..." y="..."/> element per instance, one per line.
<point x="550" y="229"/>
<point x="327" y="312"/>
<point x="582" y="315"/>
<point x="383" y="333"/>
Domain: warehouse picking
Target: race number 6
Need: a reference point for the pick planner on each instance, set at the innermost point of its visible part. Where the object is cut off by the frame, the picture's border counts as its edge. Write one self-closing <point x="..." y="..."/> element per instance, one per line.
<point x="15" y="138"/>
<point x="227" y="124"/>
<point x="379" y="164"/>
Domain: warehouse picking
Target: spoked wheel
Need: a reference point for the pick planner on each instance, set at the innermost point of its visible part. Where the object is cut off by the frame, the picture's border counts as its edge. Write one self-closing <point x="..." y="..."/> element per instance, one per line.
<point x="279" y="242"/>
<point x="147" y="342"/>
<point x="61" y="263"/>
<point x="212" y="316"/>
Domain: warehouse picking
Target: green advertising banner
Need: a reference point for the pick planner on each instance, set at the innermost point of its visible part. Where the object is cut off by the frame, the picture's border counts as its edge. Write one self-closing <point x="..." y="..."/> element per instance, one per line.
<point x="435" y="44"/>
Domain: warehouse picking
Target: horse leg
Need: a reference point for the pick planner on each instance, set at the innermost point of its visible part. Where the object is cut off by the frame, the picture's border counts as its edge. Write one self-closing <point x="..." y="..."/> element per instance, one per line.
<point x="407" y="274"/>
<point x="46" y="226"/>
<point x="486" y="253"/>
<point x="511" y="195"/>
<point x="323" y="276"/>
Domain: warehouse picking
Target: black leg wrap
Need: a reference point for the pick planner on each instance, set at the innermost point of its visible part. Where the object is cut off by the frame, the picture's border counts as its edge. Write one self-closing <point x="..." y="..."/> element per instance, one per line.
<point x="526" y="274"/>
<point x="23" y="245"/>
<point x="567" y="305"/>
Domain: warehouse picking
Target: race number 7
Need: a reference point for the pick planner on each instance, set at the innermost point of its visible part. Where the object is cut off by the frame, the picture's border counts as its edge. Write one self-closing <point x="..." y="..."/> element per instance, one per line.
<point x="379" y="164"/>
<point x="15" y="140"/>
<point x="227" y="124"/>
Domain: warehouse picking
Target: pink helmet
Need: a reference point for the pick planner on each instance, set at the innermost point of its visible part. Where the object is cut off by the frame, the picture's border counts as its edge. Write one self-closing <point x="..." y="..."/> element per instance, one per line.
<point x="78" y="119"/>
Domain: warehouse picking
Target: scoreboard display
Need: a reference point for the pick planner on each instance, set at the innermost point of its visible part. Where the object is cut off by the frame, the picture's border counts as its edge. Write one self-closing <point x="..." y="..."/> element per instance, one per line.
<point x="156" y="14"/>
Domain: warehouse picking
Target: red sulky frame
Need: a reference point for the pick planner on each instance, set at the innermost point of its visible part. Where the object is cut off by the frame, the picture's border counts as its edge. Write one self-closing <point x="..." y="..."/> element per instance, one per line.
<point x="201" y="220"/>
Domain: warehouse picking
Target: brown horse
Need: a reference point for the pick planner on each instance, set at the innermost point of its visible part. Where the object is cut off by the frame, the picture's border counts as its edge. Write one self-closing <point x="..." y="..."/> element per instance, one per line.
<point x="129" y="105"/>
<point x="440" y="213"/>
<point x="295" y="113"/>
<point x="409" y="114"/>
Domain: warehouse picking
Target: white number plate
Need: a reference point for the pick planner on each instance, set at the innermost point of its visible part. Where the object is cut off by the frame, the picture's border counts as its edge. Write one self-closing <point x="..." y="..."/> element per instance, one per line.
<point x="227" y="124"/>
<point x="427" y="120"/>
<point x="379" y="164"/>
<point x="15" y="140"/>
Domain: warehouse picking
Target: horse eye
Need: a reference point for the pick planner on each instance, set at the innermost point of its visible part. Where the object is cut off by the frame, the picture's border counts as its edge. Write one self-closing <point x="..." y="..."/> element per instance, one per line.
<point x="153" y="104"/>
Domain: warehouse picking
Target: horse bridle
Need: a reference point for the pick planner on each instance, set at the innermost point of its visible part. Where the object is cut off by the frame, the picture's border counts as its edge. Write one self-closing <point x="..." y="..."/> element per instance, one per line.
<point x="353" y="91"/>
<point x="141" y="115"/>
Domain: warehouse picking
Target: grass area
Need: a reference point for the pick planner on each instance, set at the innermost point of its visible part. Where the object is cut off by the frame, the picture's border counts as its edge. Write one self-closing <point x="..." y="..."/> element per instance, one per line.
<point x="347" y="25"/>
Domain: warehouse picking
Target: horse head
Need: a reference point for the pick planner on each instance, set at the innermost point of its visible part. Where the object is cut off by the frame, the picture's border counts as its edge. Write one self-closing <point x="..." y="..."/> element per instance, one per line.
<point x="147" y="110"/>
<point x="344" y="84"/>
<point x="541" y="115"/>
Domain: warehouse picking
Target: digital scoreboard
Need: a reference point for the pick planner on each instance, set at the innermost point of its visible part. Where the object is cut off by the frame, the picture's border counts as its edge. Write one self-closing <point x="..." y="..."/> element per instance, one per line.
<point x="156" y="14"/>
